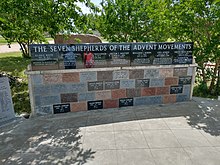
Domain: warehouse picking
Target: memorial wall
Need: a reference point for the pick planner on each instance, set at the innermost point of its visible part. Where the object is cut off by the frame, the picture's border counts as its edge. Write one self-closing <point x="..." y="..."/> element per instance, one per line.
<point x="81" y="77"/>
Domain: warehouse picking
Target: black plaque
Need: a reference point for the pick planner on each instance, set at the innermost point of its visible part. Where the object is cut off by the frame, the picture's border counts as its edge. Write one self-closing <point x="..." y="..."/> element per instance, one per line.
<point x="176" y="89"/>
<point x="95" y="86"/>
<point x="124" y="102"/>
<point x="61" y="108"/>
<point x="112" y="84"/>
<point x="92" y="105"/>
<point x="69" y="60"/>
<point x="185" y="80"/>
<point x="142" y="83"/>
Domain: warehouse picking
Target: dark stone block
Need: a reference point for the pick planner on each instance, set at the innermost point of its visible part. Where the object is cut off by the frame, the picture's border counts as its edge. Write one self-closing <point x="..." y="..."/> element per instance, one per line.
<point x="133" y="93"/>
<point x="124" y="102"/>
<point x="136" y="74"/>
<point x="104" y="75"/>
<point x="68" y="97"/>
<point x="94" y="86"/>
<point x="92" y="105"/>
<point x="142" y="83"/>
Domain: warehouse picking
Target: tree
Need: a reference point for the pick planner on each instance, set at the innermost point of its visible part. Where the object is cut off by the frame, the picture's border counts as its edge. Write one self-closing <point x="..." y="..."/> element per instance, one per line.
<point x="199" y="22"/>
<point x="27" y="21"/>
<point x="128" y="21"/>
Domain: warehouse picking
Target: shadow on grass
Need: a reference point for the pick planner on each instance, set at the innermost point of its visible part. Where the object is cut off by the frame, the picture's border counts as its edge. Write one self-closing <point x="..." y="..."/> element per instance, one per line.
<point x="14" y="65"/>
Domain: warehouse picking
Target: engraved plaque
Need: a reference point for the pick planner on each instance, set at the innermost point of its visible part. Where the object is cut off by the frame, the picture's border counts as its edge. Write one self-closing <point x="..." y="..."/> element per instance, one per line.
<point x="142" y="83"/>
<point x="69" y="61"/>
<point x="6" y="104"/>
<point x="94" y="86"/>
<point x="44" y="62"/>
<point x="92" y="105"/>
<point x="162" y="61"/>
<point x="185" y="80"/>
<point x="61" y="108"/>
<point x="118" y="75"/>
<point x="176" y="89"/>
<point x="124" y="102"/>
<point x="112" y="84"/>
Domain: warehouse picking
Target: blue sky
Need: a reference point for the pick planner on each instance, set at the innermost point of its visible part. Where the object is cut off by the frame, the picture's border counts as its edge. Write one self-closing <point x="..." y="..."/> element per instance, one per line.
<point x="85" y="9"/>
<point x="96" y="2"/>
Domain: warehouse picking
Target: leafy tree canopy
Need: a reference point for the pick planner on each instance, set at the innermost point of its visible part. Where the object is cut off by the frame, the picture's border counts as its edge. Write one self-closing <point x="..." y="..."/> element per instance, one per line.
<point x="27" y="21"/>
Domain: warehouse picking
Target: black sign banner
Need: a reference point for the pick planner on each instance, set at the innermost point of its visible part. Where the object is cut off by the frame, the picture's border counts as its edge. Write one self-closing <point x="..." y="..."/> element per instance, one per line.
<point x="114" y="54"/>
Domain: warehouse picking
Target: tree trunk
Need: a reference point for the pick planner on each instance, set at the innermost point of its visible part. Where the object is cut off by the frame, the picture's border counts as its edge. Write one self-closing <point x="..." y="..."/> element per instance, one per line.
<point x="24" y="49"/>
<point x="213" y="80"/>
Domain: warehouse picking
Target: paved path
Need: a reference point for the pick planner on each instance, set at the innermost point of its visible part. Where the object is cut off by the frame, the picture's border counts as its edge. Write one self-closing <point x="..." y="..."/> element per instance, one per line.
<point x="14" y="48"/>
<point x="6" y="49"/>
<point x="186" y="133"/>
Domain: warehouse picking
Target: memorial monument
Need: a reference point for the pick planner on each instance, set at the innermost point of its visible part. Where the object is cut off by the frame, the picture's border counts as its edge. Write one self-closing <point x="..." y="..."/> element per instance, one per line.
<point x="119" y="75"/>
<point x="6" y="105"/>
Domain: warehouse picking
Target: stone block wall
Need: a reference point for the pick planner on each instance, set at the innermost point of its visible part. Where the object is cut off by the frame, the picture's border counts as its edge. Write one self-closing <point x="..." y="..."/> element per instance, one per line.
<point x="101" y="88"/>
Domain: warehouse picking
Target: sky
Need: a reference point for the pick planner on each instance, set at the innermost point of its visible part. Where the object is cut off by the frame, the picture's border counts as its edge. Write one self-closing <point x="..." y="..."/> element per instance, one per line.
<point x="85" y="9"/>
<point x="96" y="2"/>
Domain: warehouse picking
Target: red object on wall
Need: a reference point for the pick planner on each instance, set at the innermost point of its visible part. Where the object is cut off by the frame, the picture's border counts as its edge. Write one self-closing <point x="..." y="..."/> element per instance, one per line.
<point x="88" y="60"/>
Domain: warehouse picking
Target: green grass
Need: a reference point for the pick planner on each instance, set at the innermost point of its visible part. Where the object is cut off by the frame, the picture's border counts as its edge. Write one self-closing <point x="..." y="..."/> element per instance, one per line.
<point x="15" y="65"/>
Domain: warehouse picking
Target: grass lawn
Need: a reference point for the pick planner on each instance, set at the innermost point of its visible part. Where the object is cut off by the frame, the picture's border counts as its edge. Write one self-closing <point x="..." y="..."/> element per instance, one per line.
<point x="15" y="65"/>
<point x="4" y="42"/>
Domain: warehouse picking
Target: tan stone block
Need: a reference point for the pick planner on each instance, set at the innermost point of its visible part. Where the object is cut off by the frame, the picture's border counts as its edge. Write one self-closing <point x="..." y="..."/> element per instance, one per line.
<point x="171" y="81"/>
<point x="167" y="72"/>
<point x="169" y="99"/>
<point x="78" y="106"/>
<point x="70" y="77"/>
<point x="52" y="78"/>
<point x="103" y="95"/>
